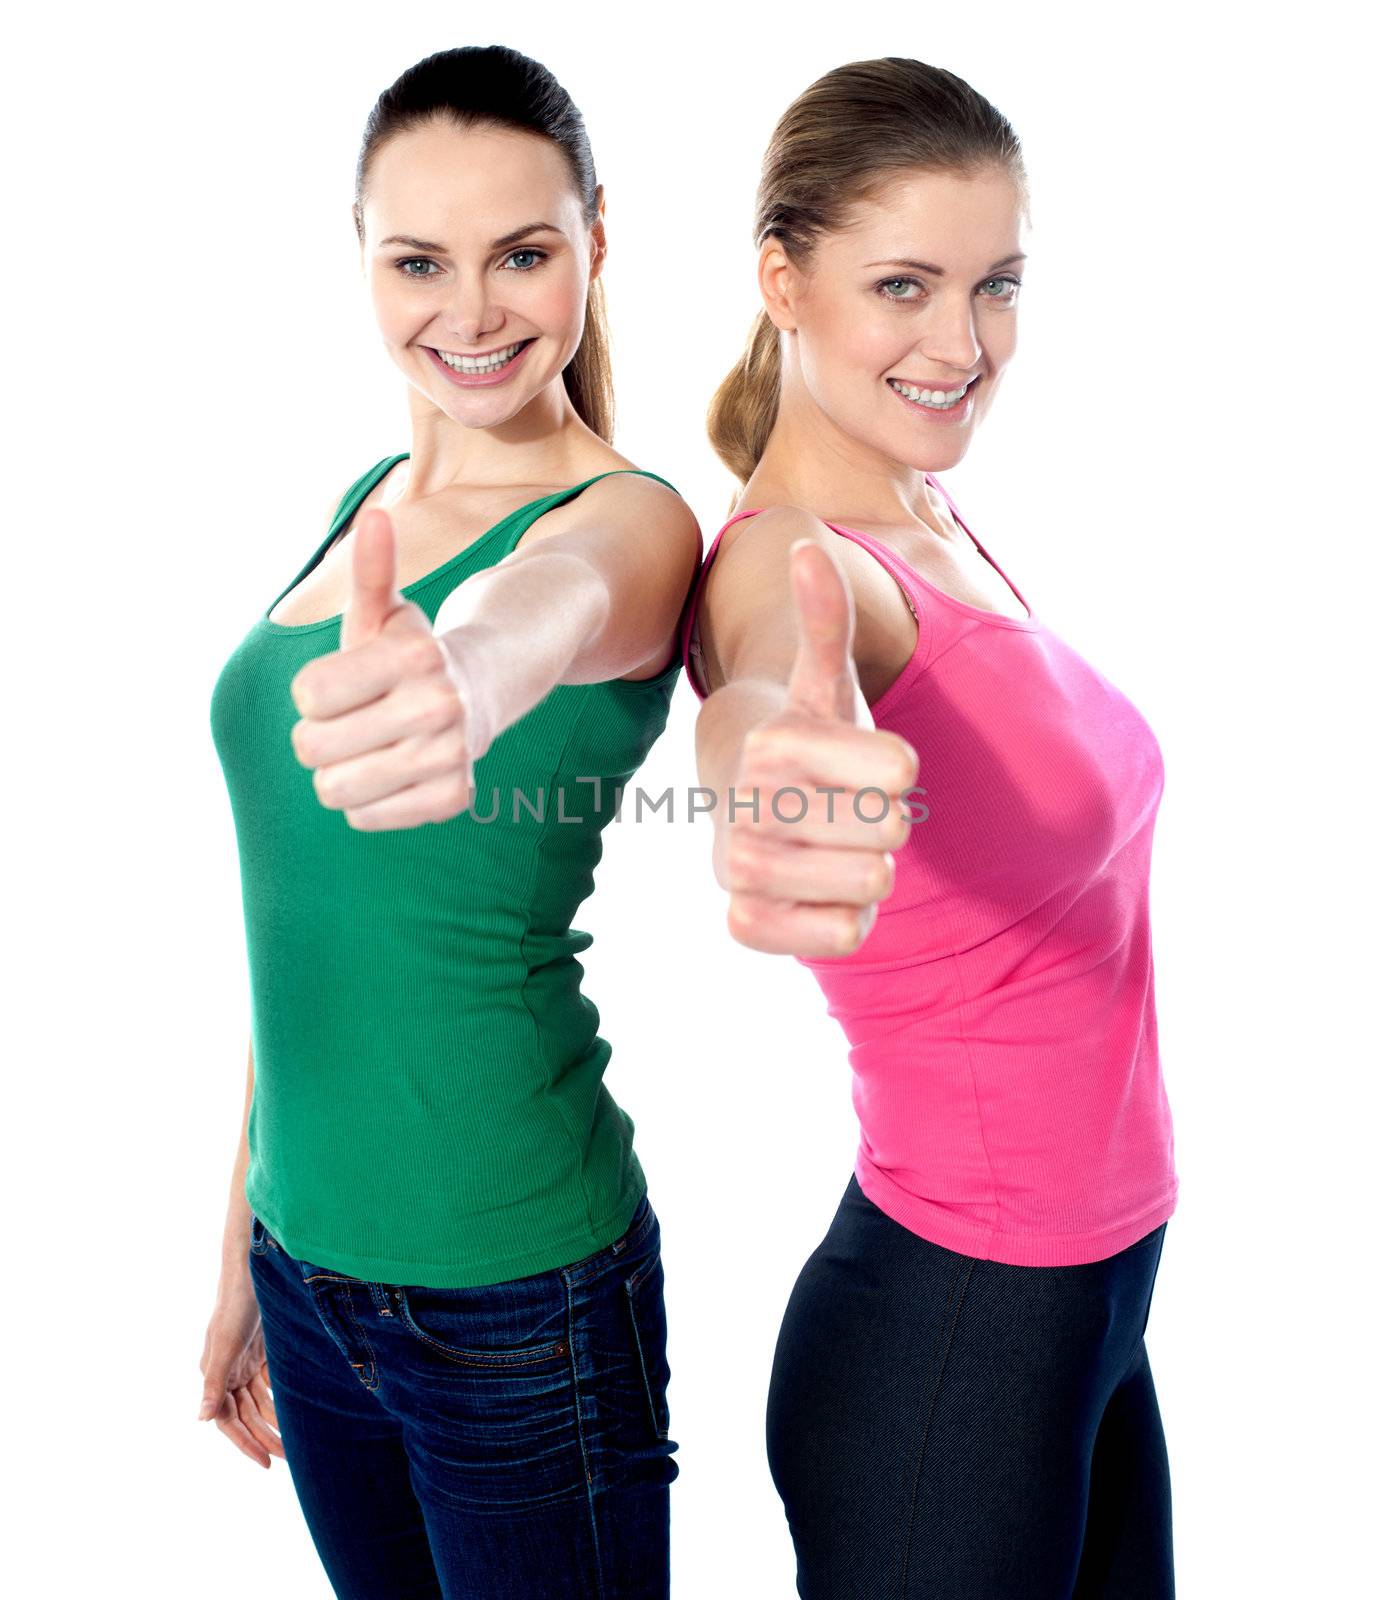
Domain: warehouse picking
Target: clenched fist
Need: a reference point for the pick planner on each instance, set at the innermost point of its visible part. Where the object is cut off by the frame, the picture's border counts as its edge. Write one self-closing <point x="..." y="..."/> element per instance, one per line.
<point x="805" y="870"/>
<point x="385" y="721"/>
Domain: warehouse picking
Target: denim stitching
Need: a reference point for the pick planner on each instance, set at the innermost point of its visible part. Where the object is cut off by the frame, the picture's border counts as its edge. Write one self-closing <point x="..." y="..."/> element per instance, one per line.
<point x="370" y="1380"/>
<point x="527" y="1357"/>
<point x="633" y="1284"/>
<point x="583" y="1443"/>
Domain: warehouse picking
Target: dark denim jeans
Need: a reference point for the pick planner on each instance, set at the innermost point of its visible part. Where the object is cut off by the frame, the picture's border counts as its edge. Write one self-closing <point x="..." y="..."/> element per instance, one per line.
<point x="507" y="1442"/>
<point x="945" y="1428"/>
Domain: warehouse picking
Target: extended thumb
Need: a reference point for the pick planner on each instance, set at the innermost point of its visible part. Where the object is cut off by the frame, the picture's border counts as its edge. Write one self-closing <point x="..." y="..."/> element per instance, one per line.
<point x="372" y="596"/>
<point x="822" y="679"/>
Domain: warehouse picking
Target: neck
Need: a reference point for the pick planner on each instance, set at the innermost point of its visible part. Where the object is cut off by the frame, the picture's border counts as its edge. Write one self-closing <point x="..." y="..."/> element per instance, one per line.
<point x="545" y="442"/>
<point x="810" y="461"/>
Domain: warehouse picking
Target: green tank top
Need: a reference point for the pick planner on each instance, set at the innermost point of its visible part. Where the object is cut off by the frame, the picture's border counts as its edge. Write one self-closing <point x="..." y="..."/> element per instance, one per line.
<point x="429" y="1105"/>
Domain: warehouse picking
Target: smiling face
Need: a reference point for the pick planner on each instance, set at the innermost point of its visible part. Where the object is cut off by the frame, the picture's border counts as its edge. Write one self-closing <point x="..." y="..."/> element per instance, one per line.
<point x="478" y="261"/>
<point x="908" y="304"/>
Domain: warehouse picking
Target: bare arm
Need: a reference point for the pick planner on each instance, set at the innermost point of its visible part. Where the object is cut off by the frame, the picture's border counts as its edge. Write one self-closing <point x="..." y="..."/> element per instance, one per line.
<point x="597" y="600"/>
<point x="393" y="720"/>
<point x="748" y="630"/>
<point x="236" y="1235"/>
<point x="236" y="1380"/>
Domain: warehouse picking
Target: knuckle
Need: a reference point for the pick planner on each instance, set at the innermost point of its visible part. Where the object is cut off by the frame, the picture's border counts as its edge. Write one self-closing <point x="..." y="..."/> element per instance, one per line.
<point x="453" y="746"/>
<point x="423" y="654"/>
<point x="742" y="859"/>
<point x="447" y="698"/>
<point x="302" y="694"/>
<point x="303" y="743"/>
<point x="888" y="877"/>
<point x="742" y="918"/>
<point x="910" y="762"/>
<point x="766" y="748"/>
<point x="878" y="878"/>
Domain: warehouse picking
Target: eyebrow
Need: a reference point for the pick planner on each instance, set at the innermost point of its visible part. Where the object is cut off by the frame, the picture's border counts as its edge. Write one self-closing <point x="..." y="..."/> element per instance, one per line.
<point x="497" y="244"/>
<point x="926" y="266"/>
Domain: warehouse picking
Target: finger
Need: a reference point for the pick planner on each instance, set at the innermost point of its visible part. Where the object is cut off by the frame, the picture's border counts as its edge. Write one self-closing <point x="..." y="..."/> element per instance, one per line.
<point x="418" y="708"/>
<point x="235" y="1430"/>
<point x="823" y="680"/>
<point x="342" y="680"/>
<point x="793" y="747"/>
<point x="782" y="927"/>
<point x="438" y="800"/>
<point x="822" y="815"/>
<point x="265" y="1398"/>
<point x="256" y="1425"/>
<point x="366" y="780"/>
<point x="214" y="1386"/>
<point x="779" y="870"/>
<point x="372" y="595"/>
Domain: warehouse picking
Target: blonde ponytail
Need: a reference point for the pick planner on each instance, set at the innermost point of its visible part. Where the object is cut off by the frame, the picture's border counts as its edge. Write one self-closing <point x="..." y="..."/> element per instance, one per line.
<point x="589" y="375"/>
<point x="853" y="131"/>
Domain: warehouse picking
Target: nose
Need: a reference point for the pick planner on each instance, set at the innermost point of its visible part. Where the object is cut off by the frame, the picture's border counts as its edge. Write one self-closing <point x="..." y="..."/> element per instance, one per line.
<point x="951" y="339"/>
<point x="470" y="314"/>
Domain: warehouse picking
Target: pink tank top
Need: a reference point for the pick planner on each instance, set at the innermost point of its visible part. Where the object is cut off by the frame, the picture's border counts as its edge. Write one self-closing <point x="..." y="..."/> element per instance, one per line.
<point x="1000" y="1015"/>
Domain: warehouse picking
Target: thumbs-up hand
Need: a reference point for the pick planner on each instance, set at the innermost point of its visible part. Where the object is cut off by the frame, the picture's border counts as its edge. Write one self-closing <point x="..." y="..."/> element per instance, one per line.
<point x="806" y="855"/>
<point x="384" y="719"/>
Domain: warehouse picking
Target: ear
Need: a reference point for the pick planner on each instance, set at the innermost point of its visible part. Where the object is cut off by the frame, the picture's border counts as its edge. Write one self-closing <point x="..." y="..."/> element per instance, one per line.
<point x="777" y="283"/>
<point x="599" y="235"/>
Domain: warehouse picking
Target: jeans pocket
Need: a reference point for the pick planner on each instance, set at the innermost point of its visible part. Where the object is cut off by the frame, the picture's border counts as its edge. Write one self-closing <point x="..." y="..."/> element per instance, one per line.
<point x="645" y="1290"/>
<point x="478" y="1327"/>
<point x="260" y="1238"/>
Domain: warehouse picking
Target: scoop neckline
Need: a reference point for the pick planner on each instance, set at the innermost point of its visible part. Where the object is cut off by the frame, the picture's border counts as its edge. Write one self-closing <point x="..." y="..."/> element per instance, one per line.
<point x="350" y="509"/>
<point x="1028" y="624"/>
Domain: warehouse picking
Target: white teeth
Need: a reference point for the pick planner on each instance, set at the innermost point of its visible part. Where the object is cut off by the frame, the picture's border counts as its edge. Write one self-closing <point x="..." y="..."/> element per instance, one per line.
<point x="474" y="364"/>
<point x="937" y="399"/>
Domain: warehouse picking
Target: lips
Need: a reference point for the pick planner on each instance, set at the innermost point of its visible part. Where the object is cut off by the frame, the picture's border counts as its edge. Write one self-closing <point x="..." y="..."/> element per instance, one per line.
<point x="478" y="355"/>
<point x="933" y="388"/>
<point x="485" y="379"/>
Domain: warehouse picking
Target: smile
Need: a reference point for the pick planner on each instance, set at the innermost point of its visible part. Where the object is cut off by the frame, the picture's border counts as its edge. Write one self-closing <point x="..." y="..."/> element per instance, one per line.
<point x="930" y="399"/>
<point x="493" y="361"/>
<point x="479" y="372"/>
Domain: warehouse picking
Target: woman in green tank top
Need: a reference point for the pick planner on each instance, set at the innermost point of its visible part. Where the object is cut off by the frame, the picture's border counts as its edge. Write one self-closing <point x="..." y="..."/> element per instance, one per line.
<point x="439" y="1253"/>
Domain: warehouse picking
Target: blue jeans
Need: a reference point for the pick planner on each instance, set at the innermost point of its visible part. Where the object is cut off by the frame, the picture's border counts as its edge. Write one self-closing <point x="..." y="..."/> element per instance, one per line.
<point x="945" y="1428"/>
<point x="508" y="1442"/>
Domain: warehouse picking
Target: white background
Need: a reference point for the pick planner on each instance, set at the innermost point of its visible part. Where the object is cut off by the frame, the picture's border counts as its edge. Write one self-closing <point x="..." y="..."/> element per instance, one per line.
<point x="1178" y="473"/>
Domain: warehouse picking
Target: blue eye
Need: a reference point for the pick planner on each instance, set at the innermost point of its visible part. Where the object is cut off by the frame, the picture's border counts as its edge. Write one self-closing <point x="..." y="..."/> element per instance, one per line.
<point x="538" y="254"/>
<point x="883" y="288"/>
<point x="416" y="261"/>
<point x="1009" y="283"/>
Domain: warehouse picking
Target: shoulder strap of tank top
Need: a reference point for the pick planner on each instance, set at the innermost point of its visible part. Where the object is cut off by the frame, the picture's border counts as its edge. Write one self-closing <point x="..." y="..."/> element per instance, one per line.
<point x="527" y="514"/>
<point x="347" y="508"/>
<point x="907" y="581"/>
<point x="941" y="489"/>
<point x="521" y="519"/>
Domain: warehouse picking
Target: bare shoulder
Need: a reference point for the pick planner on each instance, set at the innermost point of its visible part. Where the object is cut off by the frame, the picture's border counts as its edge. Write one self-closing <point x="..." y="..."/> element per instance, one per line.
<point x="745" y="618"/>
<point x="754" y="553"/>
<point x="646" y="510"/>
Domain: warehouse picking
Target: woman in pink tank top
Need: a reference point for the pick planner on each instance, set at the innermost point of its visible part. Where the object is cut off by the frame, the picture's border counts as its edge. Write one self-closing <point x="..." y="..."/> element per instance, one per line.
<point x="932" y="801"/>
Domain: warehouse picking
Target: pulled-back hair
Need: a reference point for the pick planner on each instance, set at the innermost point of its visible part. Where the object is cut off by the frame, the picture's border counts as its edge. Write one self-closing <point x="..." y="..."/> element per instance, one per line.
<point x="853" y="132"/>
<point x="493" y="85"/>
